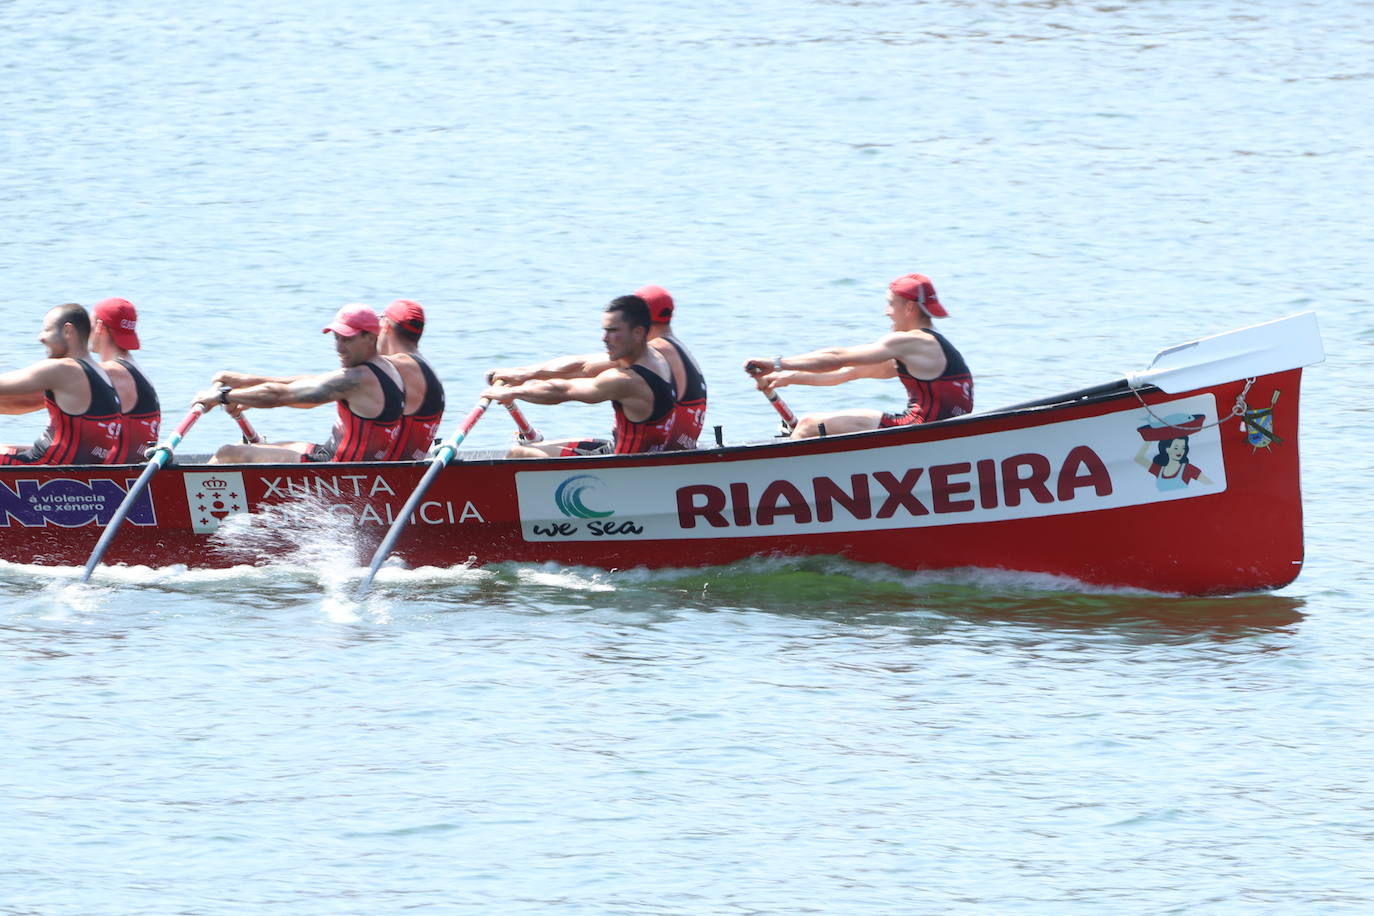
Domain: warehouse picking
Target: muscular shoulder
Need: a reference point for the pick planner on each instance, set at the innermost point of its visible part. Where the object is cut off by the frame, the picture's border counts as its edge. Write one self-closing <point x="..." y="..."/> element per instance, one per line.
<point x="60" y="373"/>
<point x="920" y="351"/>
<point x="123" y="381"/>
<point x="407" y="366"/>
<point x="620" y="381"/>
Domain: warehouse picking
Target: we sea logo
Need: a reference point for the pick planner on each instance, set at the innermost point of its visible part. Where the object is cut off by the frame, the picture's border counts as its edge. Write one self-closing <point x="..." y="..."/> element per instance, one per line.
<point x="569" y="497"/>
<point x="582" y="500"/>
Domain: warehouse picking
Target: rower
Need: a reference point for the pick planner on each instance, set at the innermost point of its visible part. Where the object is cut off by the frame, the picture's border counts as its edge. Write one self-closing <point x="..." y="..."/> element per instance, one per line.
<point x="83" y="406"/>
<point x="367" y="389"/>
<point x="937" y="380"/>
<point x="114" y="334"/>
<point x="402" y="324"/>
<point x="639" y="385"/>
<point x="689" y="406"/>
<point x="689" y="409"/>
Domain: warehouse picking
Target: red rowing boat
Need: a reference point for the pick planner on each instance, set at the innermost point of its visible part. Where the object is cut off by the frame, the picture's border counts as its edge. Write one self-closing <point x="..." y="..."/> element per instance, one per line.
<point x="1182" y="478"/>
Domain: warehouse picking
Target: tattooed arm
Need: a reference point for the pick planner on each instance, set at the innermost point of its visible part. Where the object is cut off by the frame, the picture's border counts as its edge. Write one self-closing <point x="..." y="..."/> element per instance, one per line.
<point x="304" y="391"/>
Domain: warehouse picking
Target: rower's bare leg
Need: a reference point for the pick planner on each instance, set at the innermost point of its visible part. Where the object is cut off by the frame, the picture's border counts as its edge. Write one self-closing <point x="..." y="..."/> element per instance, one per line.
<point x="847" y="421"/>
<point x="539" y="449"/>
<point x="555" y="448"/>
<point x="276" y="453"/>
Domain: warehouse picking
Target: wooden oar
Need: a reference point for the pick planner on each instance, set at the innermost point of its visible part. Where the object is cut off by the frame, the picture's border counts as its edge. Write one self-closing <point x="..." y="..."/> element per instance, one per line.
<point x="528" y="434"/>
<point x="789" y="419"/>
<point x="1261" y="349"/>
<point x="160" y="455"/>
<point x="445" y="453"/>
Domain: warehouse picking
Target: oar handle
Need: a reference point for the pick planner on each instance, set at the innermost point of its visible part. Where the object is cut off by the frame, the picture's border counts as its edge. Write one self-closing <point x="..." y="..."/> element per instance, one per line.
<point x="445" y="453"/>
<point x="528" y="434"/>
<point x="157" y="458"/>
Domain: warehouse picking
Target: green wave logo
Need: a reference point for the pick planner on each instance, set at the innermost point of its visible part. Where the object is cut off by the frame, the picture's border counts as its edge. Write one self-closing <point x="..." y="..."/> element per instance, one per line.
<point x="568" y="496"/>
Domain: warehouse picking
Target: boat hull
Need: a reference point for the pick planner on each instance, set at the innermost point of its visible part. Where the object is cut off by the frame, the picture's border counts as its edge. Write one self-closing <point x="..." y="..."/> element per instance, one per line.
<point x="1063" y="489"/>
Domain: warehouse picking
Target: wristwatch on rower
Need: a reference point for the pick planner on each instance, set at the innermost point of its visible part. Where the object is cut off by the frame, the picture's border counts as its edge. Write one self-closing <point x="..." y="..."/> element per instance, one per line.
<point x="224" y="394"/>
<point x="777" y="364"/>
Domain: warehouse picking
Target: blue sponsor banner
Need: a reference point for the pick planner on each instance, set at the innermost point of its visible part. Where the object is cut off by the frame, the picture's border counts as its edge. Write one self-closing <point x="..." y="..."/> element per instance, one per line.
<point x="69" y="503"/>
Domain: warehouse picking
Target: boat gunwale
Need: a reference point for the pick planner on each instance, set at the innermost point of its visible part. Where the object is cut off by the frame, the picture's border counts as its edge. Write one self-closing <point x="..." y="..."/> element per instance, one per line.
<point x="915" y="434"/>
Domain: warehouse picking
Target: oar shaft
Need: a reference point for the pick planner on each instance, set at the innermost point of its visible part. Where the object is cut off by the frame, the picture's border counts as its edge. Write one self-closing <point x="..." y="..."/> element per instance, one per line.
<point x="789" y="419"/>
<point x="250" y="435"/>
<point x="528" y="433"/>
<point x="446" y="453"/>
<point x="159" y="458"/>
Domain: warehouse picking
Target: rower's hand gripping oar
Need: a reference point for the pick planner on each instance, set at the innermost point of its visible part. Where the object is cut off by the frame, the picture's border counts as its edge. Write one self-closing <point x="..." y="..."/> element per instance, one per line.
<point x="789" y="419"/>
<point x="160" y="455"/>
<point x="442" y="456"/>
<point x="528" y="434"/>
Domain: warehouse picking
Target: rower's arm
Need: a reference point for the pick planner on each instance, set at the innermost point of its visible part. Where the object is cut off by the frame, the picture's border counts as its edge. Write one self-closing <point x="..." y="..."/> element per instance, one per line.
<point x="886" y="369"/>
<point x="21" y="403"/>
<point x="21" y="391"/>
<point x="247" y="380"/>
<point x="303" y="391"/>
<point x="307" y="390"/>
<point x="566" y="367"/>
<point x="827" y="359"/>
<point x="615" y="384"/>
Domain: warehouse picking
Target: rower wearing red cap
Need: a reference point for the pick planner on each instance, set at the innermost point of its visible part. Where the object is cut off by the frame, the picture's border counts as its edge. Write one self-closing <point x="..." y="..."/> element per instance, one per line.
<point x="639" y="385"/>
<point x="116" y="333"/>
<point x="937" y="380"/>
<point x="402" y="324"/>
<point x="689" y="406"/>
<point x="367" y="389"/>
<point x="83" y="407"/>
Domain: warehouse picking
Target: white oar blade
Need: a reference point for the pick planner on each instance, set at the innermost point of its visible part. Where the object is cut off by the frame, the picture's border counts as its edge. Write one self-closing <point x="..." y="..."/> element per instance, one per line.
<point x="1275" y="346"/>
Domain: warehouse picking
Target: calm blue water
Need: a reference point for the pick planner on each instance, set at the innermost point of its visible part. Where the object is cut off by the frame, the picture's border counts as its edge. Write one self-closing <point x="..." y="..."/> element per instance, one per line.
<point x="1086" y="184"/>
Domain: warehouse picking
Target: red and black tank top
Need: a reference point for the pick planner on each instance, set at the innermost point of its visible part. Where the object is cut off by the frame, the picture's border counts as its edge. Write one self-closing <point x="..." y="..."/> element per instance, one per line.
<point x="654" y="433"/>
<point x="141" y="421"/>
<point x="950" y="394"/>
<point x="84" y="438"/>
<point x="419" y="429"/>
<point x="358" y="438"/>
<point x="689" y="410"/>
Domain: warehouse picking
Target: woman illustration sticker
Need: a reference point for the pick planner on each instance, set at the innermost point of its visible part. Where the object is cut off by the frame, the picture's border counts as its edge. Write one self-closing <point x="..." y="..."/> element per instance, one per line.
<point x="1170" y="464"/>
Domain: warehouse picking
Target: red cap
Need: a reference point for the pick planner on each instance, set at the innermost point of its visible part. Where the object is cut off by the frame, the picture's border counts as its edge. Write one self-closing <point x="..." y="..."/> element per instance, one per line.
<point x="353" y="320"/>
<point x="919" y="289"/>
<point x="660" y="303"/>
<point x="407" y="314"/>
<point x="120" y="317"/>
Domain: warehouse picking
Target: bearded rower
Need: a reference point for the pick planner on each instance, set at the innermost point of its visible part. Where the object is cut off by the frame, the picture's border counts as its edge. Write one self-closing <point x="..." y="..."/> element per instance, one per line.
<point x="367" y="389"/>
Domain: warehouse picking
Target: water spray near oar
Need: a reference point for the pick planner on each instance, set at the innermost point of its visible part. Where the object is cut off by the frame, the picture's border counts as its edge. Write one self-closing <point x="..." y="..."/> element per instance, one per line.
<point x="160" y="455"/>
<point x="445" y="453"/>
